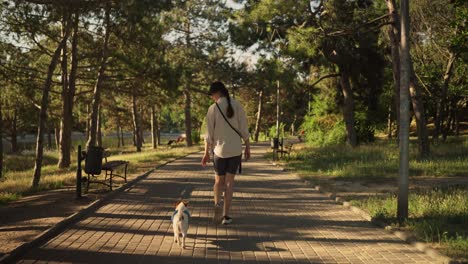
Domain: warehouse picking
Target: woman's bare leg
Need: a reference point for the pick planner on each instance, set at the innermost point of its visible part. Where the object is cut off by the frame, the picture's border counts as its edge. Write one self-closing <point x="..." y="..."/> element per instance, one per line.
<point x="229" y="183"/>
<point x="218" y="188"/>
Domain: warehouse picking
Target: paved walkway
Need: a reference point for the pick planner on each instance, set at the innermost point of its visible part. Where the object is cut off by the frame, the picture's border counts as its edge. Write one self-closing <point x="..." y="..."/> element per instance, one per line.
<point x="277" y="219"/>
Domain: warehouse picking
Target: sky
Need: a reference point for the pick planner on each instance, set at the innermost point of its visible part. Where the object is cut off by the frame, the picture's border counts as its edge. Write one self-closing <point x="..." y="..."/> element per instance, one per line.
<point x="243" y="56"/>
<point x="232" y="4"/>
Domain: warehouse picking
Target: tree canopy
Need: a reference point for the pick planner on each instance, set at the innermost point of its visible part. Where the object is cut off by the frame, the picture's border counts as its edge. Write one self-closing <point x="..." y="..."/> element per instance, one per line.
<point x="106" y="67"/>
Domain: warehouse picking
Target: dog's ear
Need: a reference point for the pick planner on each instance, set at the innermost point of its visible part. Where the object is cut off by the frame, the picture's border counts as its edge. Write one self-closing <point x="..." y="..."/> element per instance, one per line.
<point x="186" y="203"/>
<point x="176" y="203"/>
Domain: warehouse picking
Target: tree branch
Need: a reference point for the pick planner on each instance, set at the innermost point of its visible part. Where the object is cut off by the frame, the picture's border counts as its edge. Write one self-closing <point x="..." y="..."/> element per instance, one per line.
<point x="331" y="75"/>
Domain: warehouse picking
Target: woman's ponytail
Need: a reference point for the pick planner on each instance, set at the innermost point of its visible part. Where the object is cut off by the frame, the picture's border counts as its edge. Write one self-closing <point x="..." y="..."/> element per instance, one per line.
<point x="219" y="87"/>
<point x="229" y="110"/>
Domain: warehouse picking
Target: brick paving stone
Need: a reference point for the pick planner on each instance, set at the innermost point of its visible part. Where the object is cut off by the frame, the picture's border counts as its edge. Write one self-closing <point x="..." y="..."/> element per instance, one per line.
<point x="277" y="219"/>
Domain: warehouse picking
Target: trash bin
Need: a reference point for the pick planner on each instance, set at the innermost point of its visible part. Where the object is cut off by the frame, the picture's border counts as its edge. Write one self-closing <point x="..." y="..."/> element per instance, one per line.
<point x="275" y="143"/>
<point x="93" y="163"/>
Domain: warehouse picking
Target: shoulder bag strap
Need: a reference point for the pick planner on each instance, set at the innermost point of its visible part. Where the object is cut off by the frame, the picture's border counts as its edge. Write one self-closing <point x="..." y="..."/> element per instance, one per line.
<point x="238" y="133"/>
<point x="227" y="121"/>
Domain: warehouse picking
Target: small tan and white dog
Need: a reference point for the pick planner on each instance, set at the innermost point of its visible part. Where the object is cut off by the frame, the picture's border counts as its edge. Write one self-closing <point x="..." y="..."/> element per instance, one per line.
<point x="180" y="222"/>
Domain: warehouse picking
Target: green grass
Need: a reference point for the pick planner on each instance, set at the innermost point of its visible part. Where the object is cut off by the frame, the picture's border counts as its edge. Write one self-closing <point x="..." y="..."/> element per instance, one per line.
<point x="380" y="161"/>
<point x="17" y="179"/>
<point x="438" y="215"/>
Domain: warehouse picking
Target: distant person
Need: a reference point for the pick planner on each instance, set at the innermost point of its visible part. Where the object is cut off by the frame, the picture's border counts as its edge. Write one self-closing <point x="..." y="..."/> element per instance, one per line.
<point x="226" y="127"/>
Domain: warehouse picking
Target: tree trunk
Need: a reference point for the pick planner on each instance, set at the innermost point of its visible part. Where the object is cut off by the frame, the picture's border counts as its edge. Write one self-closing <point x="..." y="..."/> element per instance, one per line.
<point x="158" y="130"/>
<point x="49" y="139"/>
<point x="278" y="122"/>
<point x="142" y="129"/>
<point x="259" y="115"/>
<point x="68" y="94"/>
<point x="394" y="35"/>
<point x="187" y="96"/>
<point x="99" y="128"/>
<point x="454" y="117"/>
<point x="57" y="137"/>
<point x="450" y="126"/>
<point x="117" y="134"/>
<point x="136" y="124"/>
<point x="122" y="136"/>
<point x="457" y="121"/>
<point x="188" y="117"/>
<point x="97" y="88"/>
<point x="154" y="133"/>
<point x="43" y="112"/>
<point x="419" y="113"/>
<point x="446" y="128"/>
<point x="1" y="139"/>
<point x="389" y="122"/>
<point x="65" y="122"/>
<point x="405" y="74"/>
<point x="88" y="121"/>
<point x="441" y="105"/>
<point x="293" y="125"/>
<point x="14" y="132"/>
<point x="348" y="109"/>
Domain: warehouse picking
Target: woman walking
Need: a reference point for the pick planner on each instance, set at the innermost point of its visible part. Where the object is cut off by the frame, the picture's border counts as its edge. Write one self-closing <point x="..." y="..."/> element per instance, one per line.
<point x="226" y="127"/>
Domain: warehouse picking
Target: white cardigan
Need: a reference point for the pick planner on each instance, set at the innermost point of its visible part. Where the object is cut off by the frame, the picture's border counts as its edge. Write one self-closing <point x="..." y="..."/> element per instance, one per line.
<point x="219" y="134"/>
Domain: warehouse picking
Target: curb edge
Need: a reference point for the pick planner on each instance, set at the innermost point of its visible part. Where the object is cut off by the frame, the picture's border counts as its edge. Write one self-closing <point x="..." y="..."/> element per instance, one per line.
<point x="404" y="236"/>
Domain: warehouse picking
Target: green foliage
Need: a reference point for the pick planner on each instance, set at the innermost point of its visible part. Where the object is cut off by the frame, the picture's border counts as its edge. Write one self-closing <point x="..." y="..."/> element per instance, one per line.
<point x="324" y="126"/>
<point x="365" y="128"/>
<point x="196" y="137"/>
<point x="379" y="161"/>
<point x="272" y="130"/>
<point x="303" y="42"/>
<point x="324" y="130"/>
<point x="436" y="215"/>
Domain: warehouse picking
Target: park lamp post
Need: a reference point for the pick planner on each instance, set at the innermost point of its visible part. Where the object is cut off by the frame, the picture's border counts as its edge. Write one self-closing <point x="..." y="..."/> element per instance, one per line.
<point x="277" y="109"/>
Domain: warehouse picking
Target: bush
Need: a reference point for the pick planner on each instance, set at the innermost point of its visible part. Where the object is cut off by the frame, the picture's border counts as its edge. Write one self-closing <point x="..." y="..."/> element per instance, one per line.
<point x="195" y="136"/>
<point x="324" y="130"/>
<point x="365" y="128"/>
<point x="324" y="125"/>
<point x="272" y="131"/>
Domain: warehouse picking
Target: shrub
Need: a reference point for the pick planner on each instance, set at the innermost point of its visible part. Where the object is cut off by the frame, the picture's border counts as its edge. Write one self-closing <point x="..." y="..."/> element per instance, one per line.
<point x="196" y="136"/>
<point x="324" y="130"/>
<point x="272" y="131"/>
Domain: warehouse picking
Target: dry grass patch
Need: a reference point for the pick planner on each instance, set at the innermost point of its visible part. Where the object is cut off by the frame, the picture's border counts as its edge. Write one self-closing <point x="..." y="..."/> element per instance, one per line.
<point x="19" y="169"/>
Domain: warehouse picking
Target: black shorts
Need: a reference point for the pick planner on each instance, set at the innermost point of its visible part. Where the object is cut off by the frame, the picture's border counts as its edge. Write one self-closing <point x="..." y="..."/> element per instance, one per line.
<point x="226" y="165"/>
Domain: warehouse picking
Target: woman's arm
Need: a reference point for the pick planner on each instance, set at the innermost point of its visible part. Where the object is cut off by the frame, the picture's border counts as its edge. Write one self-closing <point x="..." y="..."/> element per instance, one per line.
<point x="244" y="130"/>
<point x="247" y="150"/>
<point x="206" y="156"/>
<point x="208" y="136"/>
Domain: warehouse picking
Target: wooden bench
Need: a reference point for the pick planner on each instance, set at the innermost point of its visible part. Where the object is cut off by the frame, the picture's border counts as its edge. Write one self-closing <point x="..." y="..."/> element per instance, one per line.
<point x="109" y="167"/>
<point x="286" y="150"/>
